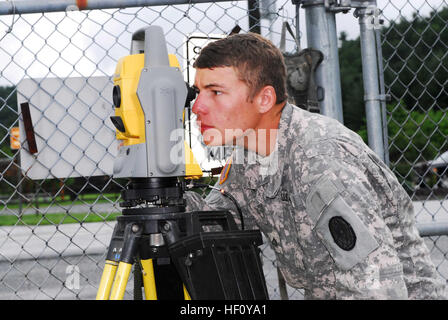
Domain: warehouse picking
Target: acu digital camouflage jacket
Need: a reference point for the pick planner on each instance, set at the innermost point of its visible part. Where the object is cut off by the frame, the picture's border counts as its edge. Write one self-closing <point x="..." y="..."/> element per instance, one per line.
<point x="340" y="223"/>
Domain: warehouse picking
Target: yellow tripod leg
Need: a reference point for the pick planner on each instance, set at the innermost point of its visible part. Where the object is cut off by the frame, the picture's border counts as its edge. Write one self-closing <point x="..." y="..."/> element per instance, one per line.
<point x="107" y="280"/>
<point x="149" y="280"/>
<point x="121" y="280"/>
<point x="186" y="294"/>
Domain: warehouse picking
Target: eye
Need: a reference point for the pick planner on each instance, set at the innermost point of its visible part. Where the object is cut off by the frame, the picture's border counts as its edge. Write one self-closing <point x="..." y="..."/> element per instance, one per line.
<point x="217" y="93"/>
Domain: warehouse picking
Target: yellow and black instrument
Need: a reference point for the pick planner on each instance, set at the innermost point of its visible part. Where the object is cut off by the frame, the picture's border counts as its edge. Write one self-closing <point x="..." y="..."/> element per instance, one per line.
<point x="173" y="255"/>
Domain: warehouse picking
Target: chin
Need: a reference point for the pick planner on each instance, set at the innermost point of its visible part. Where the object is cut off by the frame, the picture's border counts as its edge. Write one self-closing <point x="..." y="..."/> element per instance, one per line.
<point x="212" y="143"/>
<point x="208" y="142"/>
<point x="213" y="137"/>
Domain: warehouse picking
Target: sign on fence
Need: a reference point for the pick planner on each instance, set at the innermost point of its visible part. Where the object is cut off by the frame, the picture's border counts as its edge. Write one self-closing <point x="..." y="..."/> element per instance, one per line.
<point x="73" y="132"/>
<point x="15" y="138"/>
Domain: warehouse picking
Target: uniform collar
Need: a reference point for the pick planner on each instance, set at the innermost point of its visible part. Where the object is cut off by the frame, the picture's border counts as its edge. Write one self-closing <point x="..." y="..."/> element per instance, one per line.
<point x="252" y="168"/>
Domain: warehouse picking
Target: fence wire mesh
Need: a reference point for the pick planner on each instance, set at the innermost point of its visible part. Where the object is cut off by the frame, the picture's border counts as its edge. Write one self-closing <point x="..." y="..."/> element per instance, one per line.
<point x="416" y="76"/>
<point x="57" y="207"/>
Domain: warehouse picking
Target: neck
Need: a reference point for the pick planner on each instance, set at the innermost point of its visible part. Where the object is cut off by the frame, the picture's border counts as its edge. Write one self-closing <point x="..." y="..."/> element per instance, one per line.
<point x="264" y="136"/>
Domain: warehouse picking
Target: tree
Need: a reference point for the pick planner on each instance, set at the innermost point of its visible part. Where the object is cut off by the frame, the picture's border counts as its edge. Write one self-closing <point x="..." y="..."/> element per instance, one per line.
<point x="416" y="60"/>
<point x="415" y="55"/>
<point x="415" y="137"/>
<point x="351" y="83"/>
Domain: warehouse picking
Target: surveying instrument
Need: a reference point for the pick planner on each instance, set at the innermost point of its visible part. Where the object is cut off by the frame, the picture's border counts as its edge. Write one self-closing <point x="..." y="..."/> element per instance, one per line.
<point x="174" y="254"/>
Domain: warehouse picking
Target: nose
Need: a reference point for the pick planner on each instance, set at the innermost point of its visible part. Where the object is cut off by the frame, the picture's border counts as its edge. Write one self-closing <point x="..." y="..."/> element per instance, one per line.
<point x="199" y="106"/>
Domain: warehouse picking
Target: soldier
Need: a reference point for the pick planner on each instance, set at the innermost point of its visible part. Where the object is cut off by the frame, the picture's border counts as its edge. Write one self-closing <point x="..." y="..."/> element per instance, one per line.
<point x="340" y="223"/>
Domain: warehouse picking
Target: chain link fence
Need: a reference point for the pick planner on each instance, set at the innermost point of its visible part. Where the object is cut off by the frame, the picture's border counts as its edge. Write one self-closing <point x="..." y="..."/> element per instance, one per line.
<point x="416" y="77"/>
<point x="58" y="206"/>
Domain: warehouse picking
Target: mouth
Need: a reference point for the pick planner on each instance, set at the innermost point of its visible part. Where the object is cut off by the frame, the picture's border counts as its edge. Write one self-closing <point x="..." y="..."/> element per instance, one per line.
<point x="203" y="127"/>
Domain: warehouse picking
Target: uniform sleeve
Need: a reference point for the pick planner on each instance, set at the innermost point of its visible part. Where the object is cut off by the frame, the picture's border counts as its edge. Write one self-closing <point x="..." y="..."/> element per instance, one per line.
<point x="195" y="202"/>
<point x="216" y="201"/>
<point x="344" y="212"/>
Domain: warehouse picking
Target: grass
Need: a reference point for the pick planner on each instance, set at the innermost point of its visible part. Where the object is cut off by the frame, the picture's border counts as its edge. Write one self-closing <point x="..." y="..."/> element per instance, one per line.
<point x="63" y="218"/>
<point x="40" y="202"/>
<point x="55" y="218"/>
<point x="58" y="218"/>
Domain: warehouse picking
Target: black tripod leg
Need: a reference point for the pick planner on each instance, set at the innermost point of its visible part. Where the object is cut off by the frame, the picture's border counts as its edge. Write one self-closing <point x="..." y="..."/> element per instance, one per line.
<point x="168" y="282"/>
<point x="138" y="281"/>
<point x="132" y="234"/>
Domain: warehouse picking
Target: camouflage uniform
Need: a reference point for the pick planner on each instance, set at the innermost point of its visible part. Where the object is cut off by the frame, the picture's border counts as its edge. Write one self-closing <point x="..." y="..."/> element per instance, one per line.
<point x="340" y="223"/>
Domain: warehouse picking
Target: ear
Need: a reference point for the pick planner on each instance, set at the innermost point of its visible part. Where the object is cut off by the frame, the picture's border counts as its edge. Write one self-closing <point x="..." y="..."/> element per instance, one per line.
<point x="266" y="99"/>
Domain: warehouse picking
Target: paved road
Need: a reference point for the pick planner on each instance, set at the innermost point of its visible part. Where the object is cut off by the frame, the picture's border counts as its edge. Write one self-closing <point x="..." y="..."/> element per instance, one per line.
<point x="36" y="262"/>
<point x="425" y="210"/>
<point x="30" y="242"/>
<point x="28" y="255"/>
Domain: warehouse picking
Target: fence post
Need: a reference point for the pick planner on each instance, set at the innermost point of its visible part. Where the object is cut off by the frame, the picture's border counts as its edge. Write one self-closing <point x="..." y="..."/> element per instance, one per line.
<point x="19" y="184"/>
<point x="253" y="11"/>
<point x="321" y="35"/>
<point x="26" y="6"/>
<point x="374" y="97"/>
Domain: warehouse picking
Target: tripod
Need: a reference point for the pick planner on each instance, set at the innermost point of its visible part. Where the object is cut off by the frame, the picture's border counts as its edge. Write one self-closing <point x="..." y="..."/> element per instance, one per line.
<point x="176" y="258"/>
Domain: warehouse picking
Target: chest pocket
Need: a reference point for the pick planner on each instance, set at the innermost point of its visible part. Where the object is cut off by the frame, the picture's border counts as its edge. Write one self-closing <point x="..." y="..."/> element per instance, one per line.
<point x="274" y="215"/>
<point x="343" y="233"/>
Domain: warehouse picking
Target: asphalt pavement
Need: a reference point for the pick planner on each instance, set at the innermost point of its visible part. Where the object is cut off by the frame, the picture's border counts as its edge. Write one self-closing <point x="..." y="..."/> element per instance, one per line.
<point x="37" y="261"/>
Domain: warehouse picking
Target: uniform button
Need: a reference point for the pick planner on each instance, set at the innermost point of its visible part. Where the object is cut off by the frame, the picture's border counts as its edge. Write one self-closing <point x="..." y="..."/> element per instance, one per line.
<point x="284" y="195"/>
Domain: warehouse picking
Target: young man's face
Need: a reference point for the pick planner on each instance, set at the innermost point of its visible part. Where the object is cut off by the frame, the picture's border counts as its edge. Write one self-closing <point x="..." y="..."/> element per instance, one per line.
<point x="223" y="108"/>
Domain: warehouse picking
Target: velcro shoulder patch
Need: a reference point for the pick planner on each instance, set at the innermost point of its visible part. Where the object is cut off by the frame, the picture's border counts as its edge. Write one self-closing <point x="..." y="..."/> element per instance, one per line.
<point x="321" y="195"/>
<point x="225" y="171"/>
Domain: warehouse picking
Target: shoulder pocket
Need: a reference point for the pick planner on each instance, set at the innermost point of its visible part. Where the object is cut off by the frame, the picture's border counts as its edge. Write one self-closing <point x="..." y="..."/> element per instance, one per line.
<point x="343" y="233"/>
